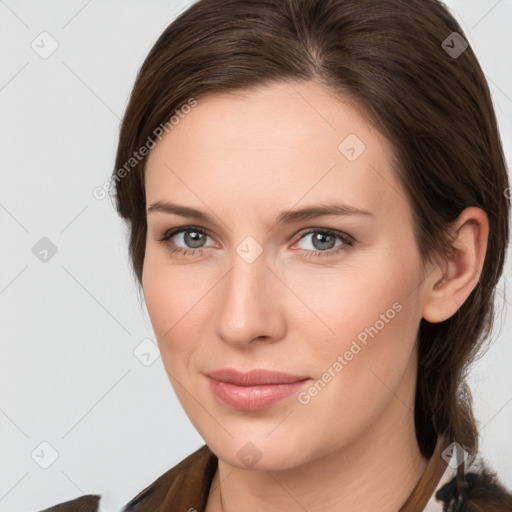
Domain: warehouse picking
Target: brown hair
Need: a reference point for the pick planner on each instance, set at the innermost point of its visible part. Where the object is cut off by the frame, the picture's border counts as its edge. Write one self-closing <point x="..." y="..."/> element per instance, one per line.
<point x="392" y="58"/>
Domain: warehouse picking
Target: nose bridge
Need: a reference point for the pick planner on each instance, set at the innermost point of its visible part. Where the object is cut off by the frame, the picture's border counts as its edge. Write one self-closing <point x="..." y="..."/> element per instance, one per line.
<point x="248" y="297"/>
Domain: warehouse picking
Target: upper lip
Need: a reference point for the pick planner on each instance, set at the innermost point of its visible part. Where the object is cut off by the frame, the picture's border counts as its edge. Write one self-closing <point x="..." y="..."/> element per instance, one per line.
<point x="254" y="377"/>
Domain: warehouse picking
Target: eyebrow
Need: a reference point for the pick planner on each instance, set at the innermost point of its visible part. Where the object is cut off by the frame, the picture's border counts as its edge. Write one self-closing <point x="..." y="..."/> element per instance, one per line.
<point x="285" y="217"/>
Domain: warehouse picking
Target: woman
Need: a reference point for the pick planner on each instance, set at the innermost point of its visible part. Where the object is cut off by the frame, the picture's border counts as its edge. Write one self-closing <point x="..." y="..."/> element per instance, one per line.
<point x="317" y="200"/>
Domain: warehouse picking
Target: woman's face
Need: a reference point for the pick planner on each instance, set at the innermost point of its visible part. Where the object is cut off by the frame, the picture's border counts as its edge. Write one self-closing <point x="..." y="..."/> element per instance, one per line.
<point x="334" y="299"/>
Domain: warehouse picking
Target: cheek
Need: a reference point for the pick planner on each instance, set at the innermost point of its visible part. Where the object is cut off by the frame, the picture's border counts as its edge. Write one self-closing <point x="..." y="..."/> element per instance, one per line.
<point x="169" y="297"/>
<point x="353" y="300"/>
<point x="171" y="292"/>
<point x="373" y="316"/>
<point x="362" y="371"/>
<point x="167" y="300"/>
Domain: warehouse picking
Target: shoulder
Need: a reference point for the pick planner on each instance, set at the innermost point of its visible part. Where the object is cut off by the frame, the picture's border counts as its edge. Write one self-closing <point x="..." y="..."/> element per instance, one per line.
<point x="479" y="491"/>
<point x="185" y="485"/>
<point x="88" y="503"/>
<point x="189" y="481"/>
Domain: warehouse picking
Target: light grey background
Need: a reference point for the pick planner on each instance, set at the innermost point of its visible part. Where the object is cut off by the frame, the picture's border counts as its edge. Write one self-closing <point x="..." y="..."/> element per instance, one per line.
<point x="69" y="326"/>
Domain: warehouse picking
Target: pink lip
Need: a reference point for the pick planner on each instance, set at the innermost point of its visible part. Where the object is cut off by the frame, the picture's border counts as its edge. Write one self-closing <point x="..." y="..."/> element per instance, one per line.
<point x="254" y="390"/>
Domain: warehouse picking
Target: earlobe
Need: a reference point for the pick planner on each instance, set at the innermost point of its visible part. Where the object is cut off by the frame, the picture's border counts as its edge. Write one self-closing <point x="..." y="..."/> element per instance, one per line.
<point x="462" y="269"/>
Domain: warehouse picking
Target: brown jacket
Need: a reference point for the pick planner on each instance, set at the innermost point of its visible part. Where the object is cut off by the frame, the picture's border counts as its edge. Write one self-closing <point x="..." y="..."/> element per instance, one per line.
<point x="447" y="485"/>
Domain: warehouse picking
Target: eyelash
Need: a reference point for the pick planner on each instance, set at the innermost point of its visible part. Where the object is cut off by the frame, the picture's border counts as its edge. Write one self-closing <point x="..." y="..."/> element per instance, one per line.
<point x="347" y="240"/>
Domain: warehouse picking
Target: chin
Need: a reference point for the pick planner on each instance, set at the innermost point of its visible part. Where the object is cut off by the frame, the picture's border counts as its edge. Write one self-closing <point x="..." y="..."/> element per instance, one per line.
<point x="258" y="451"/>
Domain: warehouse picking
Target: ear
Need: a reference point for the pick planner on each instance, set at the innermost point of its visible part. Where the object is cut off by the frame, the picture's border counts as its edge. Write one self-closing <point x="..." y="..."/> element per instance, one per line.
<point x="462" y="267"/>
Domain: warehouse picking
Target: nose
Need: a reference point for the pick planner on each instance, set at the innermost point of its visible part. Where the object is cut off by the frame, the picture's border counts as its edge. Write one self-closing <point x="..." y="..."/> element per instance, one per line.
<point x="250" y="303"/>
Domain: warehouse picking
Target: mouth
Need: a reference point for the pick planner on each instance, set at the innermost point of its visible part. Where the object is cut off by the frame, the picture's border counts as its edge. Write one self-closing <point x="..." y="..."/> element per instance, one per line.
<point x="253" y="390"/>
<point x="257" y="377"/>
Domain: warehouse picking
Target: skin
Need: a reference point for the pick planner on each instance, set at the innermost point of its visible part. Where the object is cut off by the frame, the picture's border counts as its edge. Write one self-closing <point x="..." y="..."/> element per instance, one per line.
<point x="242" y="158"/>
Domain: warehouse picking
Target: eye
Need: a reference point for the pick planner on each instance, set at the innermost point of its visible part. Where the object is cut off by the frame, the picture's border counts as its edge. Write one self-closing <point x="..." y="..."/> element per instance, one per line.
<point x="191" y="238"/>
<point x="323" y="242"/>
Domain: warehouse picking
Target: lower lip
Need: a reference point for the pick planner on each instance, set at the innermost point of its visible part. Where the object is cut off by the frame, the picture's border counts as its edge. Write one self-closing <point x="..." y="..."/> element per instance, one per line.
<point x="253" y="398"/>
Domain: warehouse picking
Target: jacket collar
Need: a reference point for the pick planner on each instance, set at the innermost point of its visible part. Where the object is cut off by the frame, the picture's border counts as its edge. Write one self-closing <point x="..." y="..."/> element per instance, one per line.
<point x="187" y="485"/>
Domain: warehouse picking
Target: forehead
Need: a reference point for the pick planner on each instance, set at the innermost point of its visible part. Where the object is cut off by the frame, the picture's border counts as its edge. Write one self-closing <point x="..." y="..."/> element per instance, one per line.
<point x="281" y="143"/>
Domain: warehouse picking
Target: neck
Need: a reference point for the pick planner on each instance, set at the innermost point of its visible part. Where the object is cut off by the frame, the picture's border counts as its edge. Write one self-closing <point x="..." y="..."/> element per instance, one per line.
<point x="376" y="471"/>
